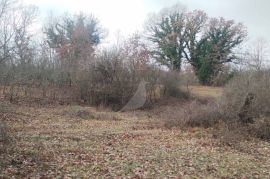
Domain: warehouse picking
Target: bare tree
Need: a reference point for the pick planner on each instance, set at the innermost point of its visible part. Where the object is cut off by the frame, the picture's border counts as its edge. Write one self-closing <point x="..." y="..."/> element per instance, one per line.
<point x="15" y="20"/>
<point x="74" y="39"/>
<point x="23" y="51"/>
<point x="7" y="30"/>
<point x="4" y="4"/>
<point x="257" y="54"/>
<point x="136" y="52"/>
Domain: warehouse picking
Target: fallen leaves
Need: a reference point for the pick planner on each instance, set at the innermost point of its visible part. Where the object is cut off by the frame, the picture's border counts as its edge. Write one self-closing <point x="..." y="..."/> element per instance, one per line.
<point x="51" y="145"/>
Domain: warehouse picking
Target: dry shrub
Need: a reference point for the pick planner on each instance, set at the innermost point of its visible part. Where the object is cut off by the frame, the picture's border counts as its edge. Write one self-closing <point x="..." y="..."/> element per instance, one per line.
<point x="232" y="135"/>
<point x="171" y="83"/>
<point x="111" y="116"/>
<point x="113" y="80"/>
<point x="188" y="77"/>
<point x="171" y="115"/>
<point x="5" y="110"/>
<point x="250" y="113"/>
<point x="224" y="76"/>
<point x="195" y="113"/>
<point x="202" y="115"/>
<point x="78" y="112"/>
<point x="108" y="82"/>
<point x="86" y="113"/>
<point x="236" y="92"/>
<point x="83" y="114"/>
<point x="110" y="78"/>
<point x="261" y="129"/>
<point x="5" y="136"/>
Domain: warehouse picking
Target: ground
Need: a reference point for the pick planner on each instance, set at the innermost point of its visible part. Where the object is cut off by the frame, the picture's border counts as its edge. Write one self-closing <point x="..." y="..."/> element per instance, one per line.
<point x="83" y="142"/>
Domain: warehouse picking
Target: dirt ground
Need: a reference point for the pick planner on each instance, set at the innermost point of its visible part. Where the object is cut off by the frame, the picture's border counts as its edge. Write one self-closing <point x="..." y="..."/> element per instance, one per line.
<point x="83" y="142"/>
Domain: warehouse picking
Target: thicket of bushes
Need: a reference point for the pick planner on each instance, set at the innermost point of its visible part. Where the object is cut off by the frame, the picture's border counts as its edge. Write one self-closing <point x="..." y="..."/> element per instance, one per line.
<point x="111" y="80"/>
<point x="255" y="84"/>
<point x="193" y="113"/>
<point x="246" y="100"/>
<point x="67" y="65"/>
<point x="243" y="109"/>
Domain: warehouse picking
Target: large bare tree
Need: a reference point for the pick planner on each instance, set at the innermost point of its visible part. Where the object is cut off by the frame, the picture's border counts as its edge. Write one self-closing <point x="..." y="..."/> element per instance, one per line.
<point x="7" y="30"/>
<point x="23" y="38"/>
<point x="15" y="38"/>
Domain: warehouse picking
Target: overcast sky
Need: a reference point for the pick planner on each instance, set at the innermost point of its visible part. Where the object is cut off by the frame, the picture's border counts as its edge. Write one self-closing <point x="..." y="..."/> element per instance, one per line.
<point x="128" y="16"/>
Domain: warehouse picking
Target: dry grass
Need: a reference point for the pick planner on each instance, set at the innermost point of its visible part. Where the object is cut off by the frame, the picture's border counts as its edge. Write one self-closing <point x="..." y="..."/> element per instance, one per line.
<point x="185" y="114"/>
<point x="49" y="143"/>
<point x="206" y="91"/>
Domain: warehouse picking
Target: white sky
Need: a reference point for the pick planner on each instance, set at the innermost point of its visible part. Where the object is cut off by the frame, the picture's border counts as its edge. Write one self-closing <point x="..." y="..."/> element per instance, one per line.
<point x="127" y="16"/>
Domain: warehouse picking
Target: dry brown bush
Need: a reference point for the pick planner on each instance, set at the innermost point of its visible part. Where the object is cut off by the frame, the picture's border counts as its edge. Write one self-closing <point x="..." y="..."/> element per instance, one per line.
<point x="171" y="84"/>
<point x="86" y="113"/>
<point x="235" y="94"/>
<point x="261" y="129"/>
<point x="78" y="112"/>
<point x="250" y="113"/>
<point x="108" y="82"/>
<point x="224" y="76"/>
<point x="194" y="113"/>
<point x="113" y="80"/>
<point x="232" y="135"/>
<point x="3" y="133"/>
<point x="5" y="136"/>
<point x="202" y="115"/>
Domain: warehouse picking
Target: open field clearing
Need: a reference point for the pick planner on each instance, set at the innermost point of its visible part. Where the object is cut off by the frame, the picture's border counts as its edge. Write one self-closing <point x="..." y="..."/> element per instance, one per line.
<point x="206" y="91"/>
<point x="82" y="142"/>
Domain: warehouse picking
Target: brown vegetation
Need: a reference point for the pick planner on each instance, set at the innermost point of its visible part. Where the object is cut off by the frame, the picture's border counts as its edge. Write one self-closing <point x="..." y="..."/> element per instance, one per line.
<point x="48" y="142"/>
<point x="69" y="109"/>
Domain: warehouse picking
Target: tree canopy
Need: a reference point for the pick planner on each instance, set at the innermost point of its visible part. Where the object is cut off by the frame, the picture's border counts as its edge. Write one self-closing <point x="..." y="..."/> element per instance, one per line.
<point x="74" y="37"/>
<point x="205" y="43"/>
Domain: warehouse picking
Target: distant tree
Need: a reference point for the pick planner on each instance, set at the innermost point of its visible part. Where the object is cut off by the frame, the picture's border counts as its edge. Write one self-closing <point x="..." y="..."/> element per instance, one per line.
<point x="7" y="30"/>
<point x="15" y="36"/>
<point x="207" y="44"/>
<point x="136" y="52"/>
<point x="196" y="22"/>
<point x="168" y="35"/>
<point x="74" y="38"/>
<point x="23" y="49"/>
<point x="257" y="54"/>
<point x="175" y="36"/>
<point x="215" y="48"/>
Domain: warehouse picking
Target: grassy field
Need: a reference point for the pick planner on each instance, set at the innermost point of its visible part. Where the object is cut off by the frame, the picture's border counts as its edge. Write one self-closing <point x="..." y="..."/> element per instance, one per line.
<point x="82" y="142"/>
<point x="206" y="91"/>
